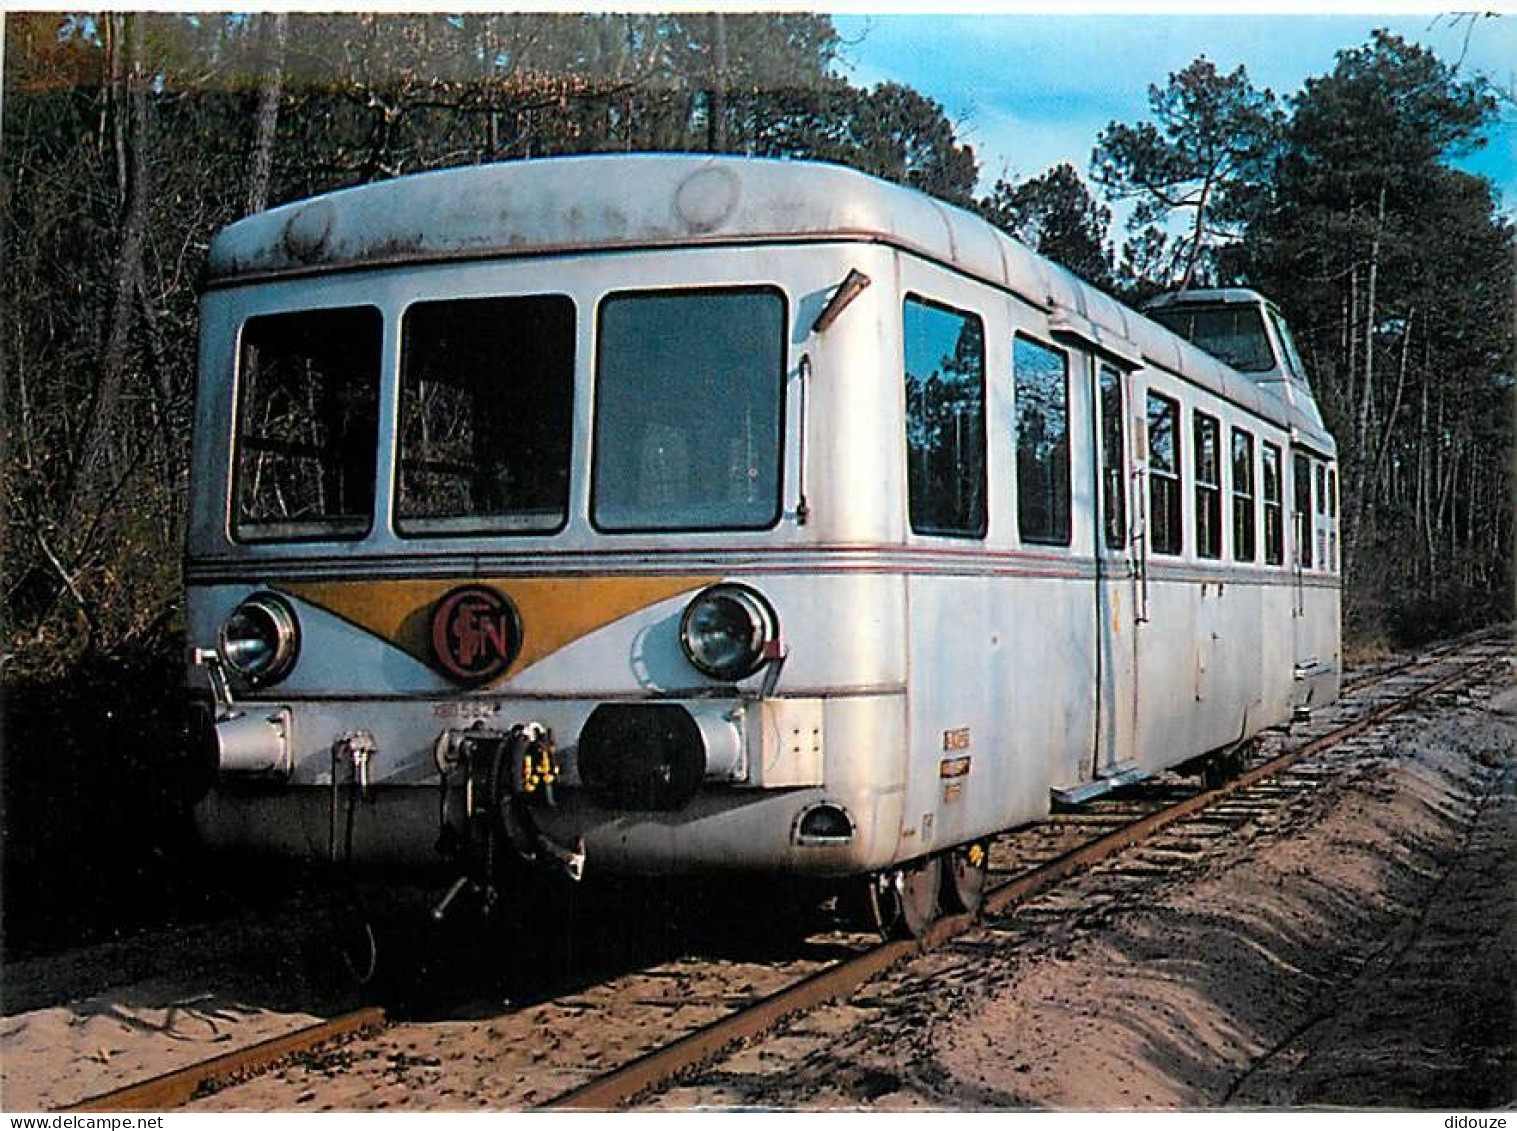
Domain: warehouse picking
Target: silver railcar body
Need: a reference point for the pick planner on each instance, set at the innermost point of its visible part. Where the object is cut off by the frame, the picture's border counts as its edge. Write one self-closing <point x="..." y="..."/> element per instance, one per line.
<point x="921" y="689"/>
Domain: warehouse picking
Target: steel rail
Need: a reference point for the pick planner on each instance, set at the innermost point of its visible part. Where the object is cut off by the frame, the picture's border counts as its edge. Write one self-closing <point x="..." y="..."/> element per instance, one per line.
<point x="609" y="1091"/>
<point x="179" y="1087"/>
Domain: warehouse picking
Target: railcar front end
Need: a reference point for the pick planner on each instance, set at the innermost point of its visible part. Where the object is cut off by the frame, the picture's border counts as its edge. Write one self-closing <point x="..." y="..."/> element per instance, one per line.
<point x="530" y="539"/>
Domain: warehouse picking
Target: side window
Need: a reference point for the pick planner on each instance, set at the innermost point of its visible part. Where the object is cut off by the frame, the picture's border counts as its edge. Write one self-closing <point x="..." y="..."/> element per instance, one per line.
<point x="1113" y="465"/>
<point x="1042" y="423"/>
<point x="1301" y="511"/>
<point x="945" y="420"/>
<point x="1207" y="454"/>
<point x="1321" y="524"/>
<point x="1274" y="514"/>
<point x="1164" y="474"/>
<point x="307" y="425"/>
<point x="1332" y="516"/>
<point x="1243" y="496"/>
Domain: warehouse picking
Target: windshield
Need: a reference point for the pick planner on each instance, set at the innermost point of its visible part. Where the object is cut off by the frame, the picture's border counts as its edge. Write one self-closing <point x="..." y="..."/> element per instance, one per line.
<point x="307" y="418"/>
<point x="1232" y="334"/>
<point x="486" y="411"/>
<point x="1282" y="331"/>
<point x="688" y="401"/>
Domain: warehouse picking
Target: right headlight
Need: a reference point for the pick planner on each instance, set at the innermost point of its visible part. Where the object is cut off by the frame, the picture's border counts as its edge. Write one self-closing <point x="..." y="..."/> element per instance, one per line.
<point x="260" y="640"/>
<point x="725" y="630"/>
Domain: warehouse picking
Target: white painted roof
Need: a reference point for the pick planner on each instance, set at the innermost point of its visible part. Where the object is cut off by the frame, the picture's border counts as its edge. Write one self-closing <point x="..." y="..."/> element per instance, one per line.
<point x="619" y="201"/>
<point x="1203" y="296"/>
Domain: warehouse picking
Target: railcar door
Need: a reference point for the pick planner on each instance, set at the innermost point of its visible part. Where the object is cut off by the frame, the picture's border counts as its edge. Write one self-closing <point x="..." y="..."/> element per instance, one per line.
<point x="1116" y="605"/>
<point x="1314" y="613"/>
<point x="1301" y="561"/>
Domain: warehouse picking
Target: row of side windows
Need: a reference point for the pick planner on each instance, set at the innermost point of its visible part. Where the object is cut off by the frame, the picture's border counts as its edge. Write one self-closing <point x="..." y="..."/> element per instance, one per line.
<point x="1165" y="460"/>
<point x="946" y="445"/>
<point x="945" y="428"/>
<point x="1164" y="463"/>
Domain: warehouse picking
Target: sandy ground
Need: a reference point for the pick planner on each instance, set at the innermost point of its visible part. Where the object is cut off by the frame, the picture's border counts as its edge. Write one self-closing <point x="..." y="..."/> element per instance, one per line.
<point x="1357" y="947"/>
<point x="89" y="1020"/>
<point x="514" y="1058"/>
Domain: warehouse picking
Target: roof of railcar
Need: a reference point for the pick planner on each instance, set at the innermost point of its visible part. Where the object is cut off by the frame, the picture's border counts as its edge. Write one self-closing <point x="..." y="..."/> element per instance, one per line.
<point x="1204" y="297"/>
<point x="623" y="201"/>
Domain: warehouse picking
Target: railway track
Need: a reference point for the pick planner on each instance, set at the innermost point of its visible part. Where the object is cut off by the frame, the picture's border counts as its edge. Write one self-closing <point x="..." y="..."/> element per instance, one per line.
<point x="619" y="1087"/>
<point x="1153" y="828"/>
<point x="1381" y="674"/>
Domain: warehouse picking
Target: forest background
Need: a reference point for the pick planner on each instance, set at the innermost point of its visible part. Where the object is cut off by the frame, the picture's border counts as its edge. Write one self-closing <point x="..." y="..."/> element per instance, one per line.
<point x="130" y="138"/>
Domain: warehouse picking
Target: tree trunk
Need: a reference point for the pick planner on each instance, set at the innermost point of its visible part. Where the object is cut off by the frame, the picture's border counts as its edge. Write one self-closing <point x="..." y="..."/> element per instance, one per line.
<point x="1422" y="515"/>
<point x="1390" y="420"/>
<point x="1347" y="343"/>
<point x="1198" y="235"/>
<point x="92" y="463"/>
<point x="266" y="116"/>
<point x="716" y="103"/>
<point x="1367" y="391"/>
<point x="116" y="88"/>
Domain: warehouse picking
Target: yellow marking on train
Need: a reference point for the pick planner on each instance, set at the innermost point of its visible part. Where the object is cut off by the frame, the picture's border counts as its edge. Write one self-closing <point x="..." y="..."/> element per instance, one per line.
<point x="554" y="611"/>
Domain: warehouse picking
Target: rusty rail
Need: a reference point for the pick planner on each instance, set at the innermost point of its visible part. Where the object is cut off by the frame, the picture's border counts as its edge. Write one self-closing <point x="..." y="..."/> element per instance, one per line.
<point x="174" y="1089"/>
<point x="696" y="1048"/>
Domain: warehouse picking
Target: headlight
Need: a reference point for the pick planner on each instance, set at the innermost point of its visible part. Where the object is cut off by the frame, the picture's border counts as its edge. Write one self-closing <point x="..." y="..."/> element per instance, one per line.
<point x="260" y="640"/>
<point x="725" y="629"/>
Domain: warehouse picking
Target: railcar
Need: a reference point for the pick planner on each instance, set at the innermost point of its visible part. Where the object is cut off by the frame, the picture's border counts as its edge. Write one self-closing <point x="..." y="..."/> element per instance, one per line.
<point x="680" y="514"/>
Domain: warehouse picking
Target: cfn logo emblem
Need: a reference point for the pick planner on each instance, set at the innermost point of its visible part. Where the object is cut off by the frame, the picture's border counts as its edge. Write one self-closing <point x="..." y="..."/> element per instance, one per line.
<point x="476" y="634"/>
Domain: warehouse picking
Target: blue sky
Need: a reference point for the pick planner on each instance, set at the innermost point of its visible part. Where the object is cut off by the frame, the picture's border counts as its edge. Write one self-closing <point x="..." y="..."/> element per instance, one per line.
<point x="1029" y="91"/>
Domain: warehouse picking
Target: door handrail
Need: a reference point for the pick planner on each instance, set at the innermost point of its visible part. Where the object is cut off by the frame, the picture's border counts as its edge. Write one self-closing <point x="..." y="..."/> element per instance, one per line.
<point x="1138" y="540"/>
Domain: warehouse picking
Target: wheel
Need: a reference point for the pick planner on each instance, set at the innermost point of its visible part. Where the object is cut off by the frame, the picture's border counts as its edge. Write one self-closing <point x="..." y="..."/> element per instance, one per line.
<point x="965" y="871"/>
<point x="880" y="904"/>
<point x="904" y="904"/>
<point x="1214" y="774"/>
<point x="1221" y="768"/>
<point x="919" y="885"/>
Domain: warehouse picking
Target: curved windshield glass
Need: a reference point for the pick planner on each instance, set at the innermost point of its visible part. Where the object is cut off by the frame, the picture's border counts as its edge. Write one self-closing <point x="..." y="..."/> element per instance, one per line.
<point x="307" y="421"/>
<point x="1233" y="335"/>
<point x="1282" y="331"/>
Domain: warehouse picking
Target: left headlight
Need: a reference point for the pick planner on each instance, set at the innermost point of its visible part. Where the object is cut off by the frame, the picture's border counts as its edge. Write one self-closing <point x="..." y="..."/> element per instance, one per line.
<point x="725" y="630"/>
<point x="260" y="639"/>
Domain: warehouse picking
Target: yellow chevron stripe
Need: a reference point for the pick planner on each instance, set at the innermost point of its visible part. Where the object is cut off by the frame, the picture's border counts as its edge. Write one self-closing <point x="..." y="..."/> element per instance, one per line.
<point x="554" y="611"/>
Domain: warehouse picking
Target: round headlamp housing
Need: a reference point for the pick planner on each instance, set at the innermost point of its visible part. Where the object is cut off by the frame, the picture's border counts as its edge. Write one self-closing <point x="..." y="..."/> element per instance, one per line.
<point x="260" y="639"/>
<point x="725" y="630"/>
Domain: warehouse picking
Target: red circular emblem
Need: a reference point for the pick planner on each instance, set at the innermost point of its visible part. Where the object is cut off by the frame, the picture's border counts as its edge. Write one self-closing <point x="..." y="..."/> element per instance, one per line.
<point x="475" y="634"/>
